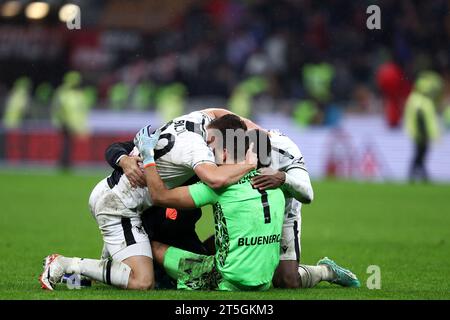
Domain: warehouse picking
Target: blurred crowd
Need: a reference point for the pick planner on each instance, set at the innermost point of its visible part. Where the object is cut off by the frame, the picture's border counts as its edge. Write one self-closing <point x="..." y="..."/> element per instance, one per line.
<point x="318" y="55"/>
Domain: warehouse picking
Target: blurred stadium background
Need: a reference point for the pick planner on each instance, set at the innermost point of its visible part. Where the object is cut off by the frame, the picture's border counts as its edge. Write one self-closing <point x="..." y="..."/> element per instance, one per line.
<point x="312" y="69"/>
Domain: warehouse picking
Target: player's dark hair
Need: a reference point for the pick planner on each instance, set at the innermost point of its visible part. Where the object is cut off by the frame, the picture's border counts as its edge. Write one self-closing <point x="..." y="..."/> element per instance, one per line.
<point x="236" y="143"/>
<point x="233" y="138"/>
<point x="262" y="146"/>
<point x="229" y="121"/>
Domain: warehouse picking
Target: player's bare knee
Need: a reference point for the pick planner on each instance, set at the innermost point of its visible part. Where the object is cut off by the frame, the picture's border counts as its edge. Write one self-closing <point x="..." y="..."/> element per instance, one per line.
<point x="145" y="284"/>
<point x="276" y="282"/>
<point x="287" y="280"/>
<point x="286" y="275"/>
<point x="141" y="282"/>
<point x="291" y="282"/>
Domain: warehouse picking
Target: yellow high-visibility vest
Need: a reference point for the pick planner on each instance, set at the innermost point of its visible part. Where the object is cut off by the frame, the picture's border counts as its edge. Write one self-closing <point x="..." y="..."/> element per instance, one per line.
<point x="419" y="102"/>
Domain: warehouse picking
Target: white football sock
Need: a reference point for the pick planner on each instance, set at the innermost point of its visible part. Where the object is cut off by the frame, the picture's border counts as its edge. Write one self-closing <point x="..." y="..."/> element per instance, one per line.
<point x="310" y="276"/>
<point x="111" y="272"/>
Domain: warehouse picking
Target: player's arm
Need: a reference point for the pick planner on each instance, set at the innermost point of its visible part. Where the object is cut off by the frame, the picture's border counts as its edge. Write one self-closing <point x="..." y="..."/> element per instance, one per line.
<point x="117" y="151"/>
<point x="161" y="196"/>
<point x="219" y="112"/>
<point x="194" y="196"/>
<point x="225" y="175"/>
<point x="294" y="180"/>
<point x="298" y="184"/>
<point x="117" y="156"/>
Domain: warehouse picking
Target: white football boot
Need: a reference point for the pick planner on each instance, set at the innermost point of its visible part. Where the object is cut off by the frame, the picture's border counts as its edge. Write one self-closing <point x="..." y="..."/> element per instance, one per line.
<point x="53" y="272"/>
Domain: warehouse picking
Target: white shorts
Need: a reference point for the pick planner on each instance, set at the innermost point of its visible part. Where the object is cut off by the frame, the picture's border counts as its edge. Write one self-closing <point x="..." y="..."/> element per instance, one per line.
<point x="290" y="247"/>
<point x="121" y="228"/>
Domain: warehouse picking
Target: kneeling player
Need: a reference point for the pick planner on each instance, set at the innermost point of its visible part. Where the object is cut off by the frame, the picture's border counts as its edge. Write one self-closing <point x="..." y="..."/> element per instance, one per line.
<point x="248" y="227"/>
<point x="288" y="172"/>
<point x="127" y="260"/>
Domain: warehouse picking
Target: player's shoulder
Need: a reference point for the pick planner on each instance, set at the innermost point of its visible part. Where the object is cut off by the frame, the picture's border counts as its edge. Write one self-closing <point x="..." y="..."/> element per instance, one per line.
<point x="199" y="116"/>
<point x="189" y="139"/>
<point x="284" y="145"/>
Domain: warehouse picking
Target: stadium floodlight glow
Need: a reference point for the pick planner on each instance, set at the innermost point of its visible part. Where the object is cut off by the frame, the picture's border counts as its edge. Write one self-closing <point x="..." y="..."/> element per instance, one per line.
<point x="11" y="8"/>
<point x="68" y="12"/>
<point x="37" y="10"/>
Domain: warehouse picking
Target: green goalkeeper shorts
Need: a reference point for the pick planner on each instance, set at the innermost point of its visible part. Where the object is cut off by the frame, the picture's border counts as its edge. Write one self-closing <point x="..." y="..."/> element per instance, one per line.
<point x="198" y="272"/>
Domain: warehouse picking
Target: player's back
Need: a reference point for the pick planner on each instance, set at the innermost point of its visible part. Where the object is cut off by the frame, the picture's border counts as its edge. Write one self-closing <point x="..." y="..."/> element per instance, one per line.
<point x="285" y="152"/>
<point x="181" y="147"/>
<point x="248" y="232"/>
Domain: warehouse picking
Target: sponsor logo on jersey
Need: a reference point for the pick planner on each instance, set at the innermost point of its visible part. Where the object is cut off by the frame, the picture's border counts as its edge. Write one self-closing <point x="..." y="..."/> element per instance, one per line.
<point x="179" y="126"/>
<point x="260" y="240"/>
<point x="291" y="215"/>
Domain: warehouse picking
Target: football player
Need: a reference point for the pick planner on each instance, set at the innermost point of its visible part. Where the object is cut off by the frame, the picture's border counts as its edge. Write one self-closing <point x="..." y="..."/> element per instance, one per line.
<point x="288" y="171"/>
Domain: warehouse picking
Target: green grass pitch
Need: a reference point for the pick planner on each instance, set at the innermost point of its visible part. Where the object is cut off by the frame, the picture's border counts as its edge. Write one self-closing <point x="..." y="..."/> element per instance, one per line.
<point x="403" y="229"/>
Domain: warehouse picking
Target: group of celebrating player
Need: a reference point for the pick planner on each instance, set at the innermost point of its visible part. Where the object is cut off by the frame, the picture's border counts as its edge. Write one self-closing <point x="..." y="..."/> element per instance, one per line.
<point x="256" y="181"/>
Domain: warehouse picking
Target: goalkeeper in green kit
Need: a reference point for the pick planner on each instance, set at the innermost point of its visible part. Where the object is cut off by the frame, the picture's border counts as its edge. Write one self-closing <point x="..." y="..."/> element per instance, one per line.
<point x="248" y="222"/>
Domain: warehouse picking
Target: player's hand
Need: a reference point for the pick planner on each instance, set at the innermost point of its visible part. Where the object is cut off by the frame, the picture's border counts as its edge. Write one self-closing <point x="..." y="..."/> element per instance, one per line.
<point x="268" y="179"/>
<point x="251" y="157"/>
<point x="146" y="142"/>
<point x="132" y="170"/>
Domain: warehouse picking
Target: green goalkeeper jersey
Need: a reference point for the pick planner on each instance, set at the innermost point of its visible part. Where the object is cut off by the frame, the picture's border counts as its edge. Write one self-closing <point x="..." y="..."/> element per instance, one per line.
<point x="248" y="225"/>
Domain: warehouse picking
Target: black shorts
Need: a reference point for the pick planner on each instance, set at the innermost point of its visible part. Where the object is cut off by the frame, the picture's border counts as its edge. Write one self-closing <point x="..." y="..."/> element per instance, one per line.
<point x="174" y="227"/>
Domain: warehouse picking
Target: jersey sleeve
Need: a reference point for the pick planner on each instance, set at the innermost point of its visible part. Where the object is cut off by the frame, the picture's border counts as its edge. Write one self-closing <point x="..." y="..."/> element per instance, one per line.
<point x="297" y="163"/>
<point x="295" y="160"/>
<point x="202" y="194"/>
<point x="116" y="150"/>
<point x="291" y="161"/>
<point x="199" y="151"/>
<point x="298" y="185"/>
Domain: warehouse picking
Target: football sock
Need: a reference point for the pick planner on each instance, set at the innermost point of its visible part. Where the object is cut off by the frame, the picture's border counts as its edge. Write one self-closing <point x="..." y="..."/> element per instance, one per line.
<point x="111" y="272"/>
<point x="310" y="276"/>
